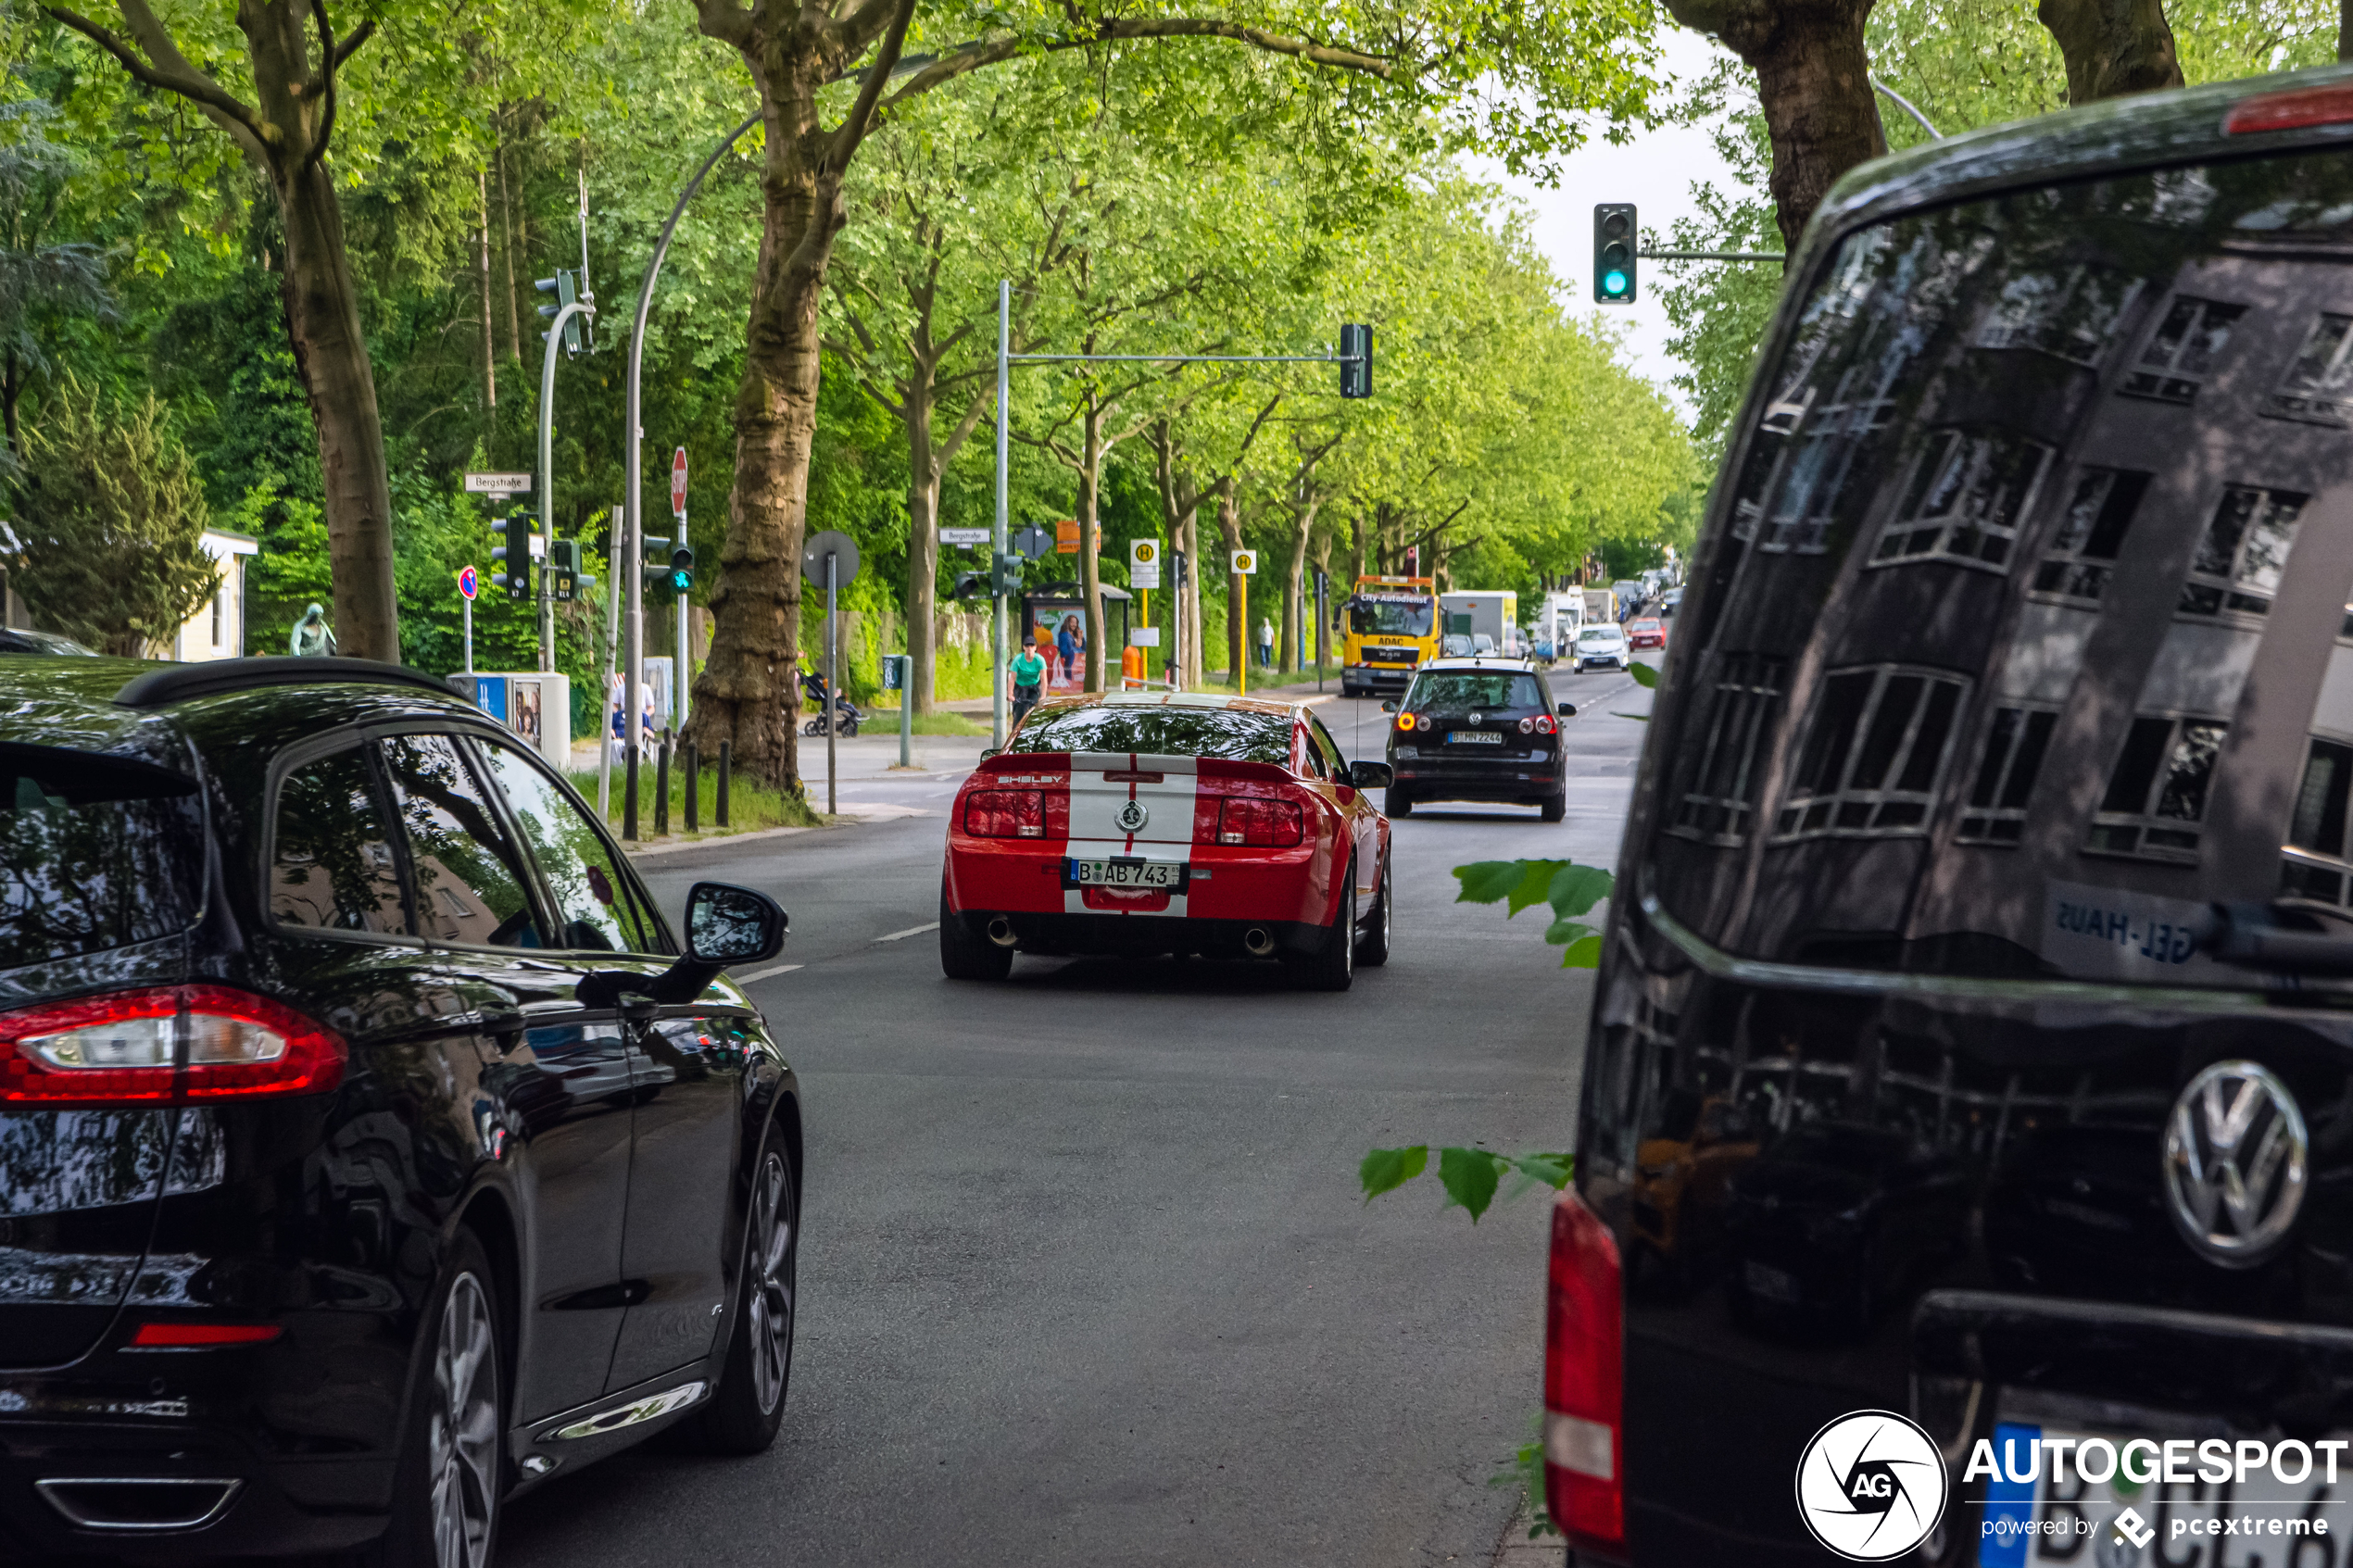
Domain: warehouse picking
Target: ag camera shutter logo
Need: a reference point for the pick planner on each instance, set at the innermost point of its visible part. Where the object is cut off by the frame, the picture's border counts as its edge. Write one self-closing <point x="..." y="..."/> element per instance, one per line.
<point x="1872" y="1486"/>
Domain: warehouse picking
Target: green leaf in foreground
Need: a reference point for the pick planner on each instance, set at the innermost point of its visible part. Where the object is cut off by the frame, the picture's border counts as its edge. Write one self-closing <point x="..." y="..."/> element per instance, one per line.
<point x="1386" y="1170"/>
<point x="1644" y="675"/>
<point x="1552" y="1170"/>
<point x="1470" y="1176"/>
<point x="1522" y="881"/>
<point x="1583" y="953"/>
<point x="1576" y="888"/>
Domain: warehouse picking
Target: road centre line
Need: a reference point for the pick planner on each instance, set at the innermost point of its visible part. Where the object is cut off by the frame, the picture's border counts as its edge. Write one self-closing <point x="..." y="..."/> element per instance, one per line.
<point x="770" y="972"/>
<point x="910" y="931"/>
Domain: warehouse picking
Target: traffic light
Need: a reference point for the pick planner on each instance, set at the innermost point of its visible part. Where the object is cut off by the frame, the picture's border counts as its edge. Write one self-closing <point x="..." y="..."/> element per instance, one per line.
<point x="1355" y="361"/>
<point x="1614" y="240"/>
<point x="564" y="575"/>
<point x="969" y="585"/>
<point x="565" y="287"/>
<point x="682" y="571"/>
<point x="511" y="561"/>
<point x="1006" y="578"/>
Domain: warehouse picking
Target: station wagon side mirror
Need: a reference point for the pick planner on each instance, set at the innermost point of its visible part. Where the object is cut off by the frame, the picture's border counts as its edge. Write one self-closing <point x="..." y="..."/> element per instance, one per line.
<point x="1370" y="775"/>
<point x="1389" y="706"/>
<point x="1568" y="710"/>
<point x="726" y="926"/>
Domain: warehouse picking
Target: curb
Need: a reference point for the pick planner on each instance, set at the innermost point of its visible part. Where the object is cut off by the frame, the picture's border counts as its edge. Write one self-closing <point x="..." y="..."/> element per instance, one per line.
<point x="641" y="851"/>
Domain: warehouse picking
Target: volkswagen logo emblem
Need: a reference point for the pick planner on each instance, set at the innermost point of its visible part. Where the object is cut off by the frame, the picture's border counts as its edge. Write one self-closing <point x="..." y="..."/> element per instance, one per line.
<point x="1474" y="718"/>
<point x="1132" y="817"/>
<point x="2234" y="1154"/>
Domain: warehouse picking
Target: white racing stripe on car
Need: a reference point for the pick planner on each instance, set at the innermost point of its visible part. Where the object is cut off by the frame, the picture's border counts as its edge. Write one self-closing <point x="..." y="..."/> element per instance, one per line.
<point x="1118" y="808"/>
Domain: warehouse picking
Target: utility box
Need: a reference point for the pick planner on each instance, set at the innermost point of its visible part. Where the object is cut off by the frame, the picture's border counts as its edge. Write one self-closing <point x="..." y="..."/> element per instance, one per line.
<point x="536" y="704"/>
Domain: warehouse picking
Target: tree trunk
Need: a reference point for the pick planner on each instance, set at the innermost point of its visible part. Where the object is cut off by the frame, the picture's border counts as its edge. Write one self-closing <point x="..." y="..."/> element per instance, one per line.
<point x="1813" y="81"/>
<point x="1091" y="566"/>
<point x="2113" y="47"/>
<point x="331" y="354"/>
<point x="1295" y="640"/>
<point x="923" y="533"/>
<point x="514" y="299"/>
<point x="489" y="348"/>
<point x="1229" y="530"/>
<point x="2345" y="30"/>
<point x="1192" y="663"/>
<point x="1355" y="548"/>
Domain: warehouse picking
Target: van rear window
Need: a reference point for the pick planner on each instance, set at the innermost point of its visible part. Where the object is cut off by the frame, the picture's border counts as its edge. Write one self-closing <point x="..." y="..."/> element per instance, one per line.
<point x="97" y="851"/>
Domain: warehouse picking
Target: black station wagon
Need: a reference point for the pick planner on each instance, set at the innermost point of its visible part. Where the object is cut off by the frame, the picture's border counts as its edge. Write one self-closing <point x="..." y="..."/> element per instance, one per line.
<point x="369" y="1149"/>
<point x="1971" y="1062"/>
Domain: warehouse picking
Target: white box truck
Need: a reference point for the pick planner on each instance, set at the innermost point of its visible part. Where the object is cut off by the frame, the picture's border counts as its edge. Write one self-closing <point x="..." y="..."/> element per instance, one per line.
<point x="1491" y="614"/>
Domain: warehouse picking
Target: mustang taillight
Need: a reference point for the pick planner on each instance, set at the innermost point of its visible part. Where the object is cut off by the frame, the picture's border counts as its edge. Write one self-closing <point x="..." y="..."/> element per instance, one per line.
<point x="1584" y="1381"/>
<point x="191" y="1042"/>
<point x="1247" y="819"/>
<point x="1005" y="813"/>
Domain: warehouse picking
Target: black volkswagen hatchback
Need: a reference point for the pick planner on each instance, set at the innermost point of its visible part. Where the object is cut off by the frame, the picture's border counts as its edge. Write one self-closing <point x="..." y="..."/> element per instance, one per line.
<point x="1971" y="1082"/>
<point x="1478" y="728"/>
<point x="368" y="1148"/>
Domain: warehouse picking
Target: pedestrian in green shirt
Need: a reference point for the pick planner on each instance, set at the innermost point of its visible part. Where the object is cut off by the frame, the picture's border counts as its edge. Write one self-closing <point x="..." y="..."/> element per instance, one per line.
<point x="1029" y="674"/>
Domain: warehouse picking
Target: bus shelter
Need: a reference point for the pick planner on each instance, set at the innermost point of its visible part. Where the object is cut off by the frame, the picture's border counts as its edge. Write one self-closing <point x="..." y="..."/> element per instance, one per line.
<point x="1055" y="617"/>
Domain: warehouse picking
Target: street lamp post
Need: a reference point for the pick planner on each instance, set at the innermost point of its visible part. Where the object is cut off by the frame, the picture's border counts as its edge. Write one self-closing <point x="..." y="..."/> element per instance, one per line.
<point x="633" y="549"/>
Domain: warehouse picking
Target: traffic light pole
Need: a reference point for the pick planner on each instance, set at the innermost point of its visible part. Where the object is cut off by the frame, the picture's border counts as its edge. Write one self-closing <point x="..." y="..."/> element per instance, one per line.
<point x="547" y="481"/>
<point x="1007" y="359"/>
<point x="632" y="544"/>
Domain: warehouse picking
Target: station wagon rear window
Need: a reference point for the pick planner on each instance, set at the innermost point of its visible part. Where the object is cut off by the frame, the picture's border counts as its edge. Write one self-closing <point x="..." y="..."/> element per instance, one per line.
<point x="97" y="852"/>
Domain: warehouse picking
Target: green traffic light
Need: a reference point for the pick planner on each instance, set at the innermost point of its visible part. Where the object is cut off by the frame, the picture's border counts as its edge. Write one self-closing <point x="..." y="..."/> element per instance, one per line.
<point x="1614" y="282"/>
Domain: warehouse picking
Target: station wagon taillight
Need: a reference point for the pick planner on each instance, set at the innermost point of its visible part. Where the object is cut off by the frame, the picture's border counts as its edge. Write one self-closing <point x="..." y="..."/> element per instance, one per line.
<point x="1585" y="1380"/>
<point x="1250" y="820"/>
<point x="1016" y="813"/>
<point x="178" y="1042"/>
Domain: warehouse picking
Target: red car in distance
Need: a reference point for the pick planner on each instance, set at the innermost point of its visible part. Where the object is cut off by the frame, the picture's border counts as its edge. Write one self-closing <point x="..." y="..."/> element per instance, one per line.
<point x="1138" y="824"/>
<point x="1646" y="634"/>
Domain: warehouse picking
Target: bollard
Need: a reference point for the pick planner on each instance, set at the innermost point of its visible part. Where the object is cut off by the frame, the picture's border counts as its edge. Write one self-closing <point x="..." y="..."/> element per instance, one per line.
<point x="690" y="763"/>
<point x="662" y="787"/>
<point x="629" y="798"/>
<point x="720" y="815"/>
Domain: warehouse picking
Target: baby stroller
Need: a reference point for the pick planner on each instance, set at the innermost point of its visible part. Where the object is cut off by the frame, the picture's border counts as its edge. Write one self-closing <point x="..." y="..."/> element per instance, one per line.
<point x="812" y="697"/>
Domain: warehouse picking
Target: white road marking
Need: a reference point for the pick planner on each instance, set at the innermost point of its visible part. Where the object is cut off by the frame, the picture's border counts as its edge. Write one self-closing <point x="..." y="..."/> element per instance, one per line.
<point x="910" y="931"/>
<point x="768" y="973"/>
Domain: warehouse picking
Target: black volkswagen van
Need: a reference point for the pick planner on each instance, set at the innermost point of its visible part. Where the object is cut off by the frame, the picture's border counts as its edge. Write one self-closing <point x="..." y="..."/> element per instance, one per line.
<point x="1970" y="1078"/>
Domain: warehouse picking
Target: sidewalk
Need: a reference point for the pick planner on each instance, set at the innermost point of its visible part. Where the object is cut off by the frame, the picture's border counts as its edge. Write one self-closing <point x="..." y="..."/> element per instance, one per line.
<point x="1300" y="691"/>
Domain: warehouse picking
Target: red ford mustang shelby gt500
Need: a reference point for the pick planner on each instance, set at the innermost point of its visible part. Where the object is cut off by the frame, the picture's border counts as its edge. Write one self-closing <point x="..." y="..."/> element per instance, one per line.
<point x="1145" y="823"/>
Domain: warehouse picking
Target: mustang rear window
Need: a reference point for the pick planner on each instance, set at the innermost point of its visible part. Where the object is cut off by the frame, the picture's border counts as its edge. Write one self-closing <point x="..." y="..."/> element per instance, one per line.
<point x="95" y="852"/>
<point x="1172" y="732"/>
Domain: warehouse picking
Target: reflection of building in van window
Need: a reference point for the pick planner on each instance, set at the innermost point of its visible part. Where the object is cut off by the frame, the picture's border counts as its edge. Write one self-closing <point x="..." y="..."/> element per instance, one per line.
<point x="2057" y="605"/>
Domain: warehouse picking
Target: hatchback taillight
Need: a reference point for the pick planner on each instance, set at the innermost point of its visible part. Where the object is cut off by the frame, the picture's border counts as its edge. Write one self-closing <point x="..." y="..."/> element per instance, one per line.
<point x="1585" y="1380"/>
<point x="1248" y="820"/>
<point x="1546" y="724"/>
<point x="196" y="1042"/>
<point x="1016" y="813"/>
<point x="1404" y="721"/>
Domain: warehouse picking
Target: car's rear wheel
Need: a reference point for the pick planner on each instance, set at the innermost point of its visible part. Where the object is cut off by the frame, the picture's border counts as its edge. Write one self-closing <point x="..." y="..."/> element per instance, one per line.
<point x="1332" y="966"/>
<point x="452" y="1472"/>
<point x="1372" y="939"/>
<point x="1554" y="806"/>
<point x="745" y="1410"/>
<point x="964" y="954"/>
<point x="1397" y="802"/>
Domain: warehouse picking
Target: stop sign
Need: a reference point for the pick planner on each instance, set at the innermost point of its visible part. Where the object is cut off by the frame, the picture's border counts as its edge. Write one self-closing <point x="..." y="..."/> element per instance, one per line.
<point x="678" y="481"/>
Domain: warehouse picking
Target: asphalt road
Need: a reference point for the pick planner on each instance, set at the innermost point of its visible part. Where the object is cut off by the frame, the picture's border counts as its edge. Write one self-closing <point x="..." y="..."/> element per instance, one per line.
<point x="1085" y="1273"/>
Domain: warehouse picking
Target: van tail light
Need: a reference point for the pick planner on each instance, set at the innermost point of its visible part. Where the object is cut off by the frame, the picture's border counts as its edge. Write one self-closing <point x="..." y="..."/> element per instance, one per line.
<point x="1016" y="813"/>
<point x="2299" y="110"/>
<point x="191" y="1042"/>
<point x="1585" y="1381"/>
<point x="1253" y="820"/>
<point x="202" y="1335"/>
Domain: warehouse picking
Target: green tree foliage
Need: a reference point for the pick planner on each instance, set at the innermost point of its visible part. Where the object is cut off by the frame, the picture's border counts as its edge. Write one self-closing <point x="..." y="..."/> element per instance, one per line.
<point x="109" y="526"/>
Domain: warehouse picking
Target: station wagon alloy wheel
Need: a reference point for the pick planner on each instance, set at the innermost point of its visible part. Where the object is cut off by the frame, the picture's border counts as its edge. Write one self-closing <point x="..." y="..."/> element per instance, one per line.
<point x="770" y="1299"/>
<point x="463" y="1438"/>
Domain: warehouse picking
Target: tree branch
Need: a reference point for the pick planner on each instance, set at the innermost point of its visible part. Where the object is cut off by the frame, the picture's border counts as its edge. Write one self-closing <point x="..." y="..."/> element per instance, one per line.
<point x="350" y="46"/>
<point x="862" y="113"/>
<point x="988" y="52"/>
<point x="724" y="20"/>
<point x="327" y="89"/>
<point x="174" y="75"/>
